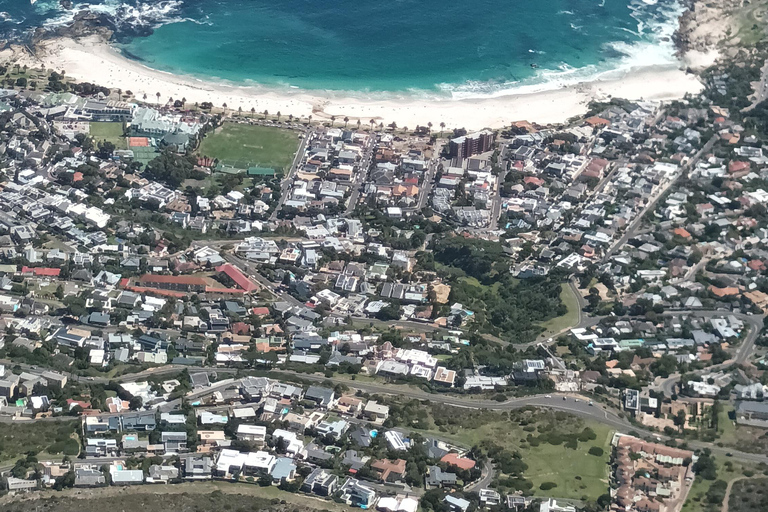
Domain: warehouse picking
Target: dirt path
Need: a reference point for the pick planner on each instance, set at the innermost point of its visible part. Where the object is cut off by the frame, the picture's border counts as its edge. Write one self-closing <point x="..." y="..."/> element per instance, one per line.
<point x="724" y="508"/>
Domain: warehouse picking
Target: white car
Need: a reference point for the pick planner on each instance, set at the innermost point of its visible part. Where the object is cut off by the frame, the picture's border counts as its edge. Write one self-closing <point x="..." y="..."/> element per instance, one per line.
<point x="547" y="396"/>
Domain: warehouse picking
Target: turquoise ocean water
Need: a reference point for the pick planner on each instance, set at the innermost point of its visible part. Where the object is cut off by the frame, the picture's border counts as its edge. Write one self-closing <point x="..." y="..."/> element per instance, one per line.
<point x="440" y="48"/>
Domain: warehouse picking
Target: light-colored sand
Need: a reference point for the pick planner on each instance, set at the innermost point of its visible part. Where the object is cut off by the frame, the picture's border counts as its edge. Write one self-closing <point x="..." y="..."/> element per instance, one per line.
<point x="94" y="61"/>
<point x="699" y="60"/>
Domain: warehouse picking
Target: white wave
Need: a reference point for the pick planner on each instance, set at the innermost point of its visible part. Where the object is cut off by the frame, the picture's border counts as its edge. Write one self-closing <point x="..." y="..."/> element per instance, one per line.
<point x="6" y="17"/>
<point x="143" y="15"/>
<point x="654" y="48"/>
<point x="570" y="13"/>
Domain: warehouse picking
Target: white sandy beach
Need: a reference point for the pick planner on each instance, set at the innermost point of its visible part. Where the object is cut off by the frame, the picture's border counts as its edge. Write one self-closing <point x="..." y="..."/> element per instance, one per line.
<point x="92" y="60"/>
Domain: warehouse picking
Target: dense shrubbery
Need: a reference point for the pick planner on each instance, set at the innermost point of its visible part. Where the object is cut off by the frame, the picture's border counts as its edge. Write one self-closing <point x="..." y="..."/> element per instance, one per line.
<point x="501" y="304"/>
<point x="172" y="169"/>
<point x="596" y="451"/>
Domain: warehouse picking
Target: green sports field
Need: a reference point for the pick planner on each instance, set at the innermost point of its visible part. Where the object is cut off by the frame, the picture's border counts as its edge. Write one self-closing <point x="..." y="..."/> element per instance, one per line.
<point x="243" y="146"/>
<point x="111" y="132"/>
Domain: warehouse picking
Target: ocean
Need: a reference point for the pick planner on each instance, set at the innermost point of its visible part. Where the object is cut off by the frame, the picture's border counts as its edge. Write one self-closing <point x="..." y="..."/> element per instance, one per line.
<point x="435" y="48"/>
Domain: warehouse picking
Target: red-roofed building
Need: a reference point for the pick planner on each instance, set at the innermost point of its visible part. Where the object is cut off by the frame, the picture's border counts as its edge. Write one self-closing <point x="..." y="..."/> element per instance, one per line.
<point x="72" y="403"/>
<point x="595" y="168"/>
<point x="78" y="176"/>
<point x="728" y="291"/>
<point x="682" y="233"/>
<point x="460" y="462"/>
<point x="260" y="311"/>
<point x="41" y="271"/>
<point x="738" y="168"/>
<point x="238" y="277"/>
<point x="596" y="121"/>
<point x="756" y="265"/>
<point x="241" y="328"/>
<point x="587" y="251"/>
<point x="124" y="282"/>
<point x="533" y="180"/>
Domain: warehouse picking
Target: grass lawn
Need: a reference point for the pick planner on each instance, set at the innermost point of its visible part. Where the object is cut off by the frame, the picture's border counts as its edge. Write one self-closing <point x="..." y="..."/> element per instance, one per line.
<point x="546" y="462"/>
<point x="45" y="437"/>
<point x="740" y="437"/>
<point x="554" y="463"/>
<point x="726" y="430"/>
<point x="244" y="146"/>
<point x="569" y="319"/>
<point x="111" y="132"/>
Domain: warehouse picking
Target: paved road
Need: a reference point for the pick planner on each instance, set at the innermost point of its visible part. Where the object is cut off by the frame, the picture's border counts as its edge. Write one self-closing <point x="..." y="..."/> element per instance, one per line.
<point x="583" y="320"/>
<point x="569" y="403"/>
<point x="429" y="176"/>
<point x="486" y="477"/>
<point x="287" y="183"/>
<point x="755" y="324"/>
<point x="660" y="193"/>
<point x="557" y="401"/>
<point x="361" y="177"/>
<point x="496" y="201"/>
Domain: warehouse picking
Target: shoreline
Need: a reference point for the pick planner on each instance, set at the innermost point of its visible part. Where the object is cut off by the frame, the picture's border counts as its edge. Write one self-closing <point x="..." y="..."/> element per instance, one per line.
<point x="92" y="59"/>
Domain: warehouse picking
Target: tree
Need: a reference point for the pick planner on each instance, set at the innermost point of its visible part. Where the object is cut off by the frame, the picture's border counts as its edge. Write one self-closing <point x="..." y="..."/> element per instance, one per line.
<point x="65" y="481"/>
<point x="278" y="116"/>
<point x="705" y="467"/>
<point x="253" y="111"/>
<point x="389" y="312"/>
<point x="171" y="168"/>
<point x="105" y="149"/>
<point x="346" y="121"/>
<point x="266" y="113"/>
<point x="135" y="403"/>
<point x="158" y="96"/>
<point x="442" y="127"/>
<point x="679" y="419"/>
